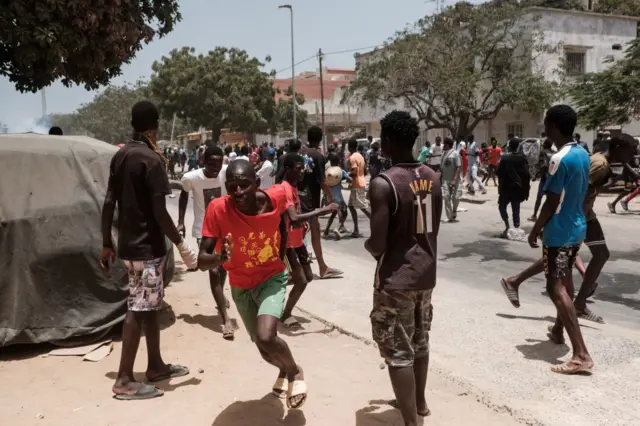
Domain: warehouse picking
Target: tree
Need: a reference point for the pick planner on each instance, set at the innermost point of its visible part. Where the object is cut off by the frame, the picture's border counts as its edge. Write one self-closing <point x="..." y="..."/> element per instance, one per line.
<point x="223" y="89"/>
<point x="610" y="97"/>
<point x="81" y="42"/>
<point x="555" y="4"/>
<point x="283" y="117"/>
<point x="459" y="68"/>
<point x="108" y="116"/>
<point x="618" y="7"/>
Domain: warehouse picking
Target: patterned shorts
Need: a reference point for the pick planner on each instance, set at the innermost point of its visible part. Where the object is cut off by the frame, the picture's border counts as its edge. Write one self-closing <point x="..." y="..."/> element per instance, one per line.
<point x="146" y="286"/>
<point x="558" y="261"/>
<point x="400" y="323"/>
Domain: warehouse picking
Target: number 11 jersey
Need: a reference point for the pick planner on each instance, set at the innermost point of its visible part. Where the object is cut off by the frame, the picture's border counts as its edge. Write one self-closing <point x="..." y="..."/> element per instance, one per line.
<point x="409" y="260"/>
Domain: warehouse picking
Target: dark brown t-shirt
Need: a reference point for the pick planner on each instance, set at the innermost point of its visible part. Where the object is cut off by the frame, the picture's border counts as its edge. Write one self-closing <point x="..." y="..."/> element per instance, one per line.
<point x="138" y="174"/>
<point x="409" y="261"/>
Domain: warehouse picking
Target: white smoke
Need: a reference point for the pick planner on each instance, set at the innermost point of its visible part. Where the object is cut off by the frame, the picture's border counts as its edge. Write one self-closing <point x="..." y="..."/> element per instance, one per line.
<point x="35" y="125"/>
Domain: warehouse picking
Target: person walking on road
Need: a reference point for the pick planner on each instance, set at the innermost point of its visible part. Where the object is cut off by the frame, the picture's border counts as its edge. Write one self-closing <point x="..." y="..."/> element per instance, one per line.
<point x="242" y="232"/>
<point x="358" y="197"/>
<point x="406" y="209"/>
<point x="451" y="167"/>
<point x="435" y="155"/>
<point x="514" y="185"/>
<point x="563" y="220"/>
<point x="494" y="152"/>
<point x="473" y="154"/>
<point x="207" y="184"/>
<point x="138" y="185"/>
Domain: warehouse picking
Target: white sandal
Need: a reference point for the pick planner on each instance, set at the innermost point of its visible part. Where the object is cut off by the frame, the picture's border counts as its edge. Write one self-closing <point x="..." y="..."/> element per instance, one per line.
<point x="297" y="388"/>
<point x="280" y="387"/>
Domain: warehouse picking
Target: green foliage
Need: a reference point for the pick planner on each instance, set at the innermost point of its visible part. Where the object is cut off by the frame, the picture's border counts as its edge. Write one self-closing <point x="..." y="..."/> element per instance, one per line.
<point x="610" y="97"/>
<point x="459" y="68"/>
<point x="555" y="4"/>
<point x="81" y="42"/>
<point x="222" y="89"/>
<point x="108" y="116"/>
<point x="618" y="7"/>
<point x="283" y="117"/>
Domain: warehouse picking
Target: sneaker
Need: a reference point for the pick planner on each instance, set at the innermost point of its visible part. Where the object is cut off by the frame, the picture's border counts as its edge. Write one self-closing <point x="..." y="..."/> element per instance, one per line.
<point x="533" y="218"/>
<point x="483" y="191"/>
<point x="625" y="205"/>
<point x="612" y="208"/>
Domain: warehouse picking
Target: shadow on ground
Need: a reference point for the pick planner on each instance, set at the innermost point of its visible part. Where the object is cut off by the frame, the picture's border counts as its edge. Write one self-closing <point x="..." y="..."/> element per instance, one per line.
<point x="379" y="413"/>
<point x="211" y="322"/>
<point x="543" y="350"/>
<point x="488" y="250"/>
<point x="618" y="287"/>
<point x="268" y="410"/>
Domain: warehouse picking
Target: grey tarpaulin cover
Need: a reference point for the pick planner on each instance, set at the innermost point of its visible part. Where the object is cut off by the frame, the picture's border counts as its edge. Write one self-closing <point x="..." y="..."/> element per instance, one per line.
<point x="51" y="284"/>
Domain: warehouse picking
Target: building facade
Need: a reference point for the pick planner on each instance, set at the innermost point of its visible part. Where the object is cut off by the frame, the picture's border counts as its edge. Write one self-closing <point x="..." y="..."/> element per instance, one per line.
<point x="585" y="40"/>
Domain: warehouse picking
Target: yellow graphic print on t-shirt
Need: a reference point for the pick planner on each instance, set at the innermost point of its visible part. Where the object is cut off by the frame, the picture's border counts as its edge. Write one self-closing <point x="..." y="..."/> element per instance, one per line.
<point x="259" y="248"/>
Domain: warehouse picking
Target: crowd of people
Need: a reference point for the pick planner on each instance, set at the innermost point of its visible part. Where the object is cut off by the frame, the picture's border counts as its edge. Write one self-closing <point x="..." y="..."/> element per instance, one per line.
<point x="253" y="212"/>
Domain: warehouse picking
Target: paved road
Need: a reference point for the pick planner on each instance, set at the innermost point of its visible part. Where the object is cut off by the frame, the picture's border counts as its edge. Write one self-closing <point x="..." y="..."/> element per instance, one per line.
<point x="498" y="353"/>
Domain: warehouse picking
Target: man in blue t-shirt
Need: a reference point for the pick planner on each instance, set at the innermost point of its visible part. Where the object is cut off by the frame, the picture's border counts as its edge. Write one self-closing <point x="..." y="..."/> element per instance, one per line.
<point x="563" y="220"/>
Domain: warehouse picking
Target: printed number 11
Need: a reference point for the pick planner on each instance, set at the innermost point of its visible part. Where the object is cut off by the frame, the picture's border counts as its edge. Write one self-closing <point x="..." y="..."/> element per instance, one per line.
<point x="423" y="217"/>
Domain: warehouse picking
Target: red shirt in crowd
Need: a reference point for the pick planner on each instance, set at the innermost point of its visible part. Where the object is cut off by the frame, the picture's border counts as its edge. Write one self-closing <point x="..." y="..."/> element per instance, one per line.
<point x="465" y="161"/>
<point x="256" y="239"/>
<point x="494" y="155"/>
<point x="295" y="235"/>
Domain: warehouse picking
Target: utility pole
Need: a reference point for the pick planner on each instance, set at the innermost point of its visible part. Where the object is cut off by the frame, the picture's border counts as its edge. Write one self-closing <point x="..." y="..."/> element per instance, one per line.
<point x="324" y="128"/>
<point x="43" y="94"/>
<point x="293" y="71"/>
<point x="173" y="126"/>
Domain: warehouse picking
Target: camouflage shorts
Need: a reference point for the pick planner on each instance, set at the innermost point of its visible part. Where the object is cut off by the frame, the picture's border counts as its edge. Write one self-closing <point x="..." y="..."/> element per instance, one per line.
<point x="400" y="322"/>
<point x="146" y="284"/>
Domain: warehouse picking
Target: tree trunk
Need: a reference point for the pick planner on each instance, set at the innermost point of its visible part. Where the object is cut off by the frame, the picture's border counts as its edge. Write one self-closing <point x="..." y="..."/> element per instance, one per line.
<point x="216" y="131"/>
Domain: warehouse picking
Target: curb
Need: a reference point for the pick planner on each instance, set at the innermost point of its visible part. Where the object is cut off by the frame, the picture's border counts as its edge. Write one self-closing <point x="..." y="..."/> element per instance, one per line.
<point x="481" y="396"/>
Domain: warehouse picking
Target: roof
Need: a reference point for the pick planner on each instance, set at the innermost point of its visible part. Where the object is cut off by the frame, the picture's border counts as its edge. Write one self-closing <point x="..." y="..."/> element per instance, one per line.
<point x="310" y="89"/>
<point x="585" y="13"/>
<point x="340" y="71"/>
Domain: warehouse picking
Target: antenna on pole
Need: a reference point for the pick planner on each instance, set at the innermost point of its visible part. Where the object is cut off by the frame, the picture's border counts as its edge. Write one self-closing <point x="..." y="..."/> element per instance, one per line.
<point x="44" y="102"/>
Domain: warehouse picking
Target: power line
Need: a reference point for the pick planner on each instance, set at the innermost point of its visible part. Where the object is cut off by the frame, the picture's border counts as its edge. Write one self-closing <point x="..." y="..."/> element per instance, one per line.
<point x="338" y="52"/>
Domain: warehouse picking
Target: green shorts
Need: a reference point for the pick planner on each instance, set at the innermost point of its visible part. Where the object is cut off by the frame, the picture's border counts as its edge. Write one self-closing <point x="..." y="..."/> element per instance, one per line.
<point x="264" y="299"/>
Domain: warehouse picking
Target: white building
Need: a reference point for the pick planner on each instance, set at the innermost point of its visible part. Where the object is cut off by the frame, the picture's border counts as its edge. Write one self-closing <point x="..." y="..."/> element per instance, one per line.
<point x="586" y="39"/>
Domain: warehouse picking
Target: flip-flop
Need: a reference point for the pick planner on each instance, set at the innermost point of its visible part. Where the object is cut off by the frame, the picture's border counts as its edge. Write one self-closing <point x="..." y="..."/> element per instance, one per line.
<point x="280" y="387"/>
<point x="589" y="315"/>
<point x="228" y="333"/>
<point x="297" y="388"/>
<point x="146" y="391"/>
<point x="573" y="367"/>
<point x="291" y="322"/>
<point x="512" y="295"/>
<point x="175" y="370"/>
<point x="331" y="273"/>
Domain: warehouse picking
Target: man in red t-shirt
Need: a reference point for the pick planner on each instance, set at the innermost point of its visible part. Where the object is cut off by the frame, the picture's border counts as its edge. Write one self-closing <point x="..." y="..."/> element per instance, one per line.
<point x="494" y="154"/>
<point x="297" y="256"/>
<point x="242" y="233"/>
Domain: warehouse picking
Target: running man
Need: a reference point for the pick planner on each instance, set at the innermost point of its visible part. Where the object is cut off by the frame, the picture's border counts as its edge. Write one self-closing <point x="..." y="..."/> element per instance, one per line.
<point x="241" y="232"/>
<point x="138" y="185"/>
<point x="620" y="150"/>
<point x="406" y="209"/>
<point x="562" y="217"/>
<point x="297" y="256"/>
<point x="207" y="184"/>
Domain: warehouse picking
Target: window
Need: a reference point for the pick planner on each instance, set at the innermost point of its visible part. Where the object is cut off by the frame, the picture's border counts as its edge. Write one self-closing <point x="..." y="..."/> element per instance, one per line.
<point x="517" y="129"/>
<point x="575" y="63"/>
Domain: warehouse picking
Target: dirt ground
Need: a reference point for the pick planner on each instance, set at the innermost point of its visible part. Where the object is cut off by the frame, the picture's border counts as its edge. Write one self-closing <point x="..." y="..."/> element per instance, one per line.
<point x="229" y="384"/>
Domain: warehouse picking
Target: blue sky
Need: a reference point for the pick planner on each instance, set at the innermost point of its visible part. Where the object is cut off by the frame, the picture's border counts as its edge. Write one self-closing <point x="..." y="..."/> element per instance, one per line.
<point x="257" y="26"/>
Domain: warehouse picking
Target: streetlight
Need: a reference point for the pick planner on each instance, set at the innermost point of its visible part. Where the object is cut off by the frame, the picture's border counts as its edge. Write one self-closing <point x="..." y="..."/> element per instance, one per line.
<point x="293" y="70"/>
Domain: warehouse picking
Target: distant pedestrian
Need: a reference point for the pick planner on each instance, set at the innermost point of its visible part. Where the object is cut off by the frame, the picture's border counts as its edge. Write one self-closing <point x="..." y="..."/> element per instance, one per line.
<point x="514" y="185"/>
<point x="451" y="171"/>
<point x="358" y="197"/>
<point x="473" y="152"/>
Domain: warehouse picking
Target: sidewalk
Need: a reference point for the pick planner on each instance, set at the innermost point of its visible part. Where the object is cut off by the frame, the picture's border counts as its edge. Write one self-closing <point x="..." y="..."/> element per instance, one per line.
<point x="229" y="384"/>
<point x="499" y="353"/>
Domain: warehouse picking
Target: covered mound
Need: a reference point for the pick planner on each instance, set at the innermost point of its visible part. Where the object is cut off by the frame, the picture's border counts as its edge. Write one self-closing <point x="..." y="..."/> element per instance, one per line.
<point x="51" y="284"/>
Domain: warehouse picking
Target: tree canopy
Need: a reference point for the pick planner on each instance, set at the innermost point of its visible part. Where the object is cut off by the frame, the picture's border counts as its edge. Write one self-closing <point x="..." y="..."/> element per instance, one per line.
<point x="226" y="88"/>
<point x="610" y="97"/>
<point x="80" y="42"/>
<point x="282" y="120"/>
<point x="108" y="116"/>
<point x="618" y="7"/>
<point x="459" y="68"/>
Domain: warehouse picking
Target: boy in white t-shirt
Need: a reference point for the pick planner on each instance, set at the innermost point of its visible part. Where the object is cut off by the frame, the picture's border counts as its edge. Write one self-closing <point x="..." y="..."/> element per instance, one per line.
<point x="207" y="184"/>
